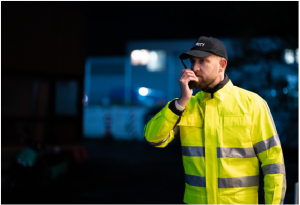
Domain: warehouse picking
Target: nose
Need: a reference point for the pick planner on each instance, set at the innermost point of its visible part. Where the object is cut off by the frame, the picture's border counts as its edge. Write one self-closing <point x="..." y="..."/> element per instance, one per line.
<point x="196" y="68"/>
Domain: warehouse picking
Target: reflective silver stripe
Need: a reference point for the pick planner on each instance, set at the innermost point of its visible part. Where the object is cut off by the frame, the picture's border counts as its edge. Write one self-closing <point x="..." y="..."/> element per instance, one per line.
<point x="278" y="143"/>
<point x="176" y="132"/>
<point x="192" y="151"/>
<point x="195" y="180"/>
<point x="238" y="182"/>
<point x="283" y="189"/>
<point x="225" y="152"/>
<point x="266" y="144"/>
<point x="283" y="185"/>
<point x="276" y="169"/>
<point x="270" y="116"/>
<point x="273" y="169"/>
<point x="158" y="143"/>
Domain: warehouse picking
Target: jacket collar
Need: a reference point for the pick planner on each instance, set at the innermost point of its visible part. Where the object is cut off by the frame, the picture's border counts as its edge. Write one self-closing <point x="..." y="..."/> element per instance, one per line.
<point x="220" y="91"/>
<point x="218" y="86"/>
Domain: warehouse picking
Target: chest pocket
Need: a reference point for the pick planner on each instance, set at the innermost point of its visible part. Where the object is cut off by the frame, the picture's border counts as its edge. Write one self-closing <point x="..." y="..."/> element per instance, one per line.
<point x="191" y="121"/>
<point x="236" y="131"/>
<point x="191" y="130"/>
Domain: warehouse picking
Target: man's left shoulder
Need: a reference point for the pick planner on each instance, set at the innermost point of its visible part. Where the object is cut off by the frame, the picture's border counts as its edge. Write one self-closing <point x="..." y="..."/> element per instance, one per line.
<point x="246" y="94"/>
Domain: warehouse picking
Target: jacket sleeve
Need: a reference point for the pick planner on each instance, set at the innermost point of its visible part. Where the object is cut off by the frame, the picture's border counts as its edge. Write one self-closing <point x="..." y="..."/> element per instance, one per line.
<point x="159" y="131"/>
<point x="268" y="149"/>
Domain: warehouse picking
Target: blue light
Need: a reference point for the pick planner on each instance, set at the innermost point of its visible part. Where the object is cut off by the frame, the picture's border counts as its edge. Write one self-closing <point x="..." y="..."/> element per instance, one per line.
<point x="143" y="91"/>
<point x="24" y="164"/>
<point x="273" y="93"/>
<point x="285" y="90"/>
<point x="289" y="56"/>
<point x="86" y="98"/>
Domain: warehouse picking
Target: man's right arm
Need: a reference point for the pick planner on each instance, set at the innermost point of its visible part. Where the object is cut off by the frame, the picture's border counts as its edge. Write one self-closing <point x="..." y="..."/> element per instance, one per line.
<point x="159" y="131"/>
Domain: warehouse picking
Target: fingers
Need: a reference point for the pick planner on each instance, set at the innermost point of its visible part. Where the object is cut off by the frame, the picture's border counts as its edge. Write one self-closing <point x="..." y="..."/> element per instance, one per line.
<point x="188" y="75"/>
<point x="187" y="71"/>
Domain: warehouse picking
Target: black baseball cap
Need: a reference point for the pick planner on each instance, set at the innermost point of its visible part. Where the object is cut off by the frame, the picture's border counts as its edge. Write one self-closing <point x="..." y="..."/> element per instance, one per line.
<point x="206" y="46"/>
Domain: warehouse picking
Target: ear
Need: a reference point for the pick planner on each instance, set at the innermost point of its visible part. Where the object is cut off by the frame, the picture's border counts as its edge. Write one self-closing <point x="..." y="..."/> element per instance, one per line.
<point x="223" y="63"/>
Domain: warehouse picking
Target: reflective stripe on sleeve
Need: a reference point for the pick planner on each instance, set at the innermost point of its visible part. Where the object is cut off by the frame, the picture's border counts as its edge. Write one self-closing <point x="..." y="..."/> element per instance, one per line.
<point x="158" y="143"/>
<point x="270" y="116"/>
<point x="266" y="144"/>
<point x="273" y="169"/>
<point x="283" y="190"/>
<point x="225" y="152"/>
<point x="238" y="182"/>
<point x="276" y="169"/>
<point x="195" y="180"/>
<point x="192" y="151"/>
<point x="176" y="132"/>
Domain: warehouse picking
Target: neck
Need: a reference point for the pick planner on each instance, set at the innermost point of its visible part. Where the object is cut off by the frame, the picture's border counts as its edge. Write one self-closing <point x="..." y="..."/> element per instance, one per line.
<point x="218" y="85"/>
<point x="219" y="79"/>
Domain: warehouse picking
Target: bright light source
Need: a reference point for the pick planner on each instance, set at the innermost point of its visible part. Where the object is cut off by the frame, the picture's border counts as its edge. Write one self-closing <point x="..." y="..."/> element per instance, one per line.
<point x="144" y="57"/>
<point x="289" y="56"/>
<point x="285" y="90"/>
<point x="297" y="55"/>
<point x="139" y="57"/>
<point x="273" y="93"/>
<point x="135" y="57"/>
<point x="156" y="61"/>
<point x="143" y="91"/>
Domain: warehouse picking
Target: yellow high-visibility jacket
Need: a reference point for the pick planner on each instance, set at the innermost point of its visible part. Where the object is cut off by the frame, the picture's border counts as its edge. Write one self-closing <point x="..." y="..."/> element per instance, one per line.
<point x="222" y="139"/>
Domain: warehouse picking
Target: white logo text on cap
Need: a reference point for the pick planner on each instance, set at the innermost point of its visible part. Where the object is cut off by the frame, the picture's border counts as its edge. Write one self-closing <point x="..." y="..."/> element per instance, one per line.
<point x="200" y="44"/>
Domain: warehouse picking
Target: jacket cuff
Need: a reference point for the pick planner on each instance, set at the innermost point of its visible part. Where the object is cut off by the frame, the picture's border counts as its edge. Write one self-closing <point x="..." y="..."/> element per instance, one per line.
<point x="173" y="108"/>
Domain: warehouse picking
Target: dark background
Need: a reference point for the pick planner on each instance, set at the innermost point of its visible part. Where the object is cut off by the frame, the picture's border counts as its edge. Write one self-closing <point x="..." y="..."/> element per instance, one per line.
<point x="47" y="42"/>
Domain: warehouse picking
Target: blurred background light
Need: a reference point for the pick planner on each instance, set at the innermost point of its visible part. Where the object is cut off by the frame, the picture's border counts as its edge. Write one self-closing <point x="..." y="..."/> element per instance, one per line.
<point x="154" y="60"/>
<point x="157" y="61"/>
<point x="285" y="90"/>
<point x="289" y="56"/>
<point x="143" y="91"/>
<point x="144" y="57"/>
<point x="296" y="55"/>
<point x="292" y="81"/>
<point x="139" y="57"/>
<point x="273" y="93"/>
<point x="86" y="98"/>
<point x="135" y="57"/>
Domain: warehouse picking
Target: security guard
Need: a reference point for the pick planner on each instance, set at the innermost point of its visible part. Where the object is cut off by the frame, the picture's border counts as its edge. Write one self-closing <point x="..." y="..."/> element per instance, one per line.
<point x="224" y="130"/>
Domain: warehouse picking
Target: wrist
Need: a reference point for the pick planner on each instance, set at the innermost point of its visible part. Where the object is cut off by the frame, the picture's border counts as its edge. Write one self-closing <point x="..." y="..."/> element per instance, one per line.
<point x="182" y="102"/>
<point x="178" y="107"/>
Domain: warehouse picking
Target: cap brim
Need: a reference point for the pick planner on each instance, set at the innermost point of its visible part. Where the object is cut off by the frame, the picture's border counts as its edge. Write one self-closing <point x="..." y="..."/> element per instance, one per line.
<point x="194" y="53"/>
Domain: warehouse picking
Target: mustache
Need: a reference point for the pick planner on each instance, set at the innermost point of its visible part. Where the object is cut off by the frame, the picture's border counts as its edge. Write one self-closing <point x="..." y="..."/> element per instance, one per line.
<point x="197" y="74"/>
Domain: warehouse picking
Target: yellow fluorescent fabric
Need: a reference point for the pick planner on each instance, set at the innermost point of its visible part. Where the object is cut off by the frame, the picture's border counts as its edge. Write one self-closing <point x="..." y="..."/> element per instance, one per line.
<point x="194" y="165"/>
<point x="242" y="167"/>
<point x="223" y="139"/>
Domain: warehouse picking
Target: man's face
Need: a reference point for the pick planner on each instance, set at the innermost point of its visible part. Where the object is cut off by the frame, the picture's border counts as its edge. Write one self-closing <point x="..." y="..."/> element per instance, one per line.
<point x="206" y="69"/>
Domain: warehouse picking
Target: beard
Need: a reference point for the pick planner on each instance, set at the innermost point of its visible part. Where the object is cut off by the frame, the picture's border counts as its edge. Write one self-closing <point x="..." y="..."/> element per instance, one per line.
<point x="204" y="83"/>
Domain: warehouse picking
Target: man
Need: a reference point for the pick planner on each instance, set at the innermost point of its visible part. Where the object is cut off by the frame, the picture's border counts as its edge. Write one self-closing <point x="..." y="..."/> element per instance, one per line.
<point x="224" y="131"/>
